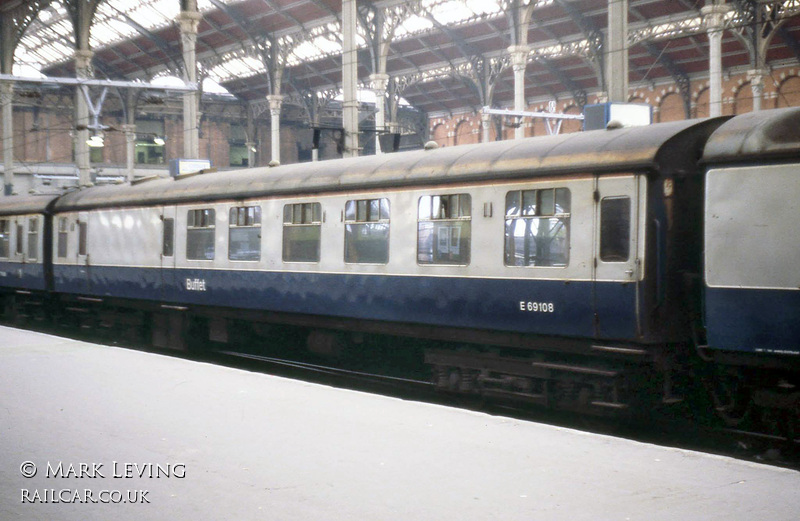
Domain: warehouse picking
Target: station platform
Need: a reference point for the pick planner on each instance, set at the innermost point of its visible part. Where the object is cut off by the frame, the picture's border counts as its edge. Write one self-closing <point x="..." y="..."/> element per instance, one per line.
<point x="91" y="432"/>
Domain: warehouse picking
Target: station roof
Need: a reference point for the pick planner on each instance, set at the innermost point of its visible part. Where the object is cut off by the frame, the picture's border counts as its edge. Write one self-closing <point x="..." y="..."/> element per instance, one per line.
<point x="436" y="44"/>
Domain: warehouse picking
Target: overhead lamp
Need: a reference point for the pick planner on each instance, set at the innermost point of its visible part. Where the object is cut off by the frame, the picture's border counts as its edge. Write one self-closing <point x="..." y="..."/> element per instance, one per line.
<point x="95" y="141"/>
<point x="253" y="149"/>
<point x="159" y="141"/>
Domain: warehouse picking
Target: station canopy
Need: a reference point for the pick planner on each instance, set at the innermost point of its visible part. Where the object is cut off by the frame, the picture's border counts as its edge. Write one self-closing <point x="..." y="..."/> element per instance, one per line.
<point x="441" y="52"/>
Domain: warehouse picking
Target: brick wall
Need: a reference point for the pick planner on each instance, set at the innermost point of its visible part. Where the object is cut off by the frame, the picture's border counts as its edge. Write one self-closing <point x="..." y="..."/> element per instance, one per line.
<point x="46" y="136"/>
<point x="781" y="89"/>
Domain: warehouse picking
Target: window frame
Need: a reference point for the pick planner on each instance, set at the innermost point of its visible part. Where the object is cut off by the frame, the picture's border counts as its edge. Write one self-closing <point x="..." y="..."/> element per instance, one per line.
<point x="33" y="238"/>
<point x="463" y="201"/>
<point x="168" y="237"/>
<point x="19" y="240"/>
<point x="536" y="211"/>
<point x="608" y="226"/>
<point x="83" y="238"/>
<point x="243" y="221"/>
<point x="201" y="222"/>
<point x="62" y="238"/>
<point x="360" y="214"/>
<point x="5" y="238"/>
<point x="302" y="215"/>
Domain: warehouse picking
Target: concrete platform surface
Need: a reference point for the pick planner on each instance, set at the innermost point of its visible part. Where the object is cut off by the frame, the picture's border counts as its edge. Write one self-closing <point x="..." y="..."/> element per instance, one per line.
<point x="109" y="433"/>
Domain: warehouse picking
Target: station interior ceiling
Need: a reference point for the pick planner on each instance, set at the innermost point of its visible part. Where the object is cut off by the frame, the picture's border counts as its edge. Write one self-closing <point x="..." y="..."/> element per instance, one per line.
<point x="443" y="56"/>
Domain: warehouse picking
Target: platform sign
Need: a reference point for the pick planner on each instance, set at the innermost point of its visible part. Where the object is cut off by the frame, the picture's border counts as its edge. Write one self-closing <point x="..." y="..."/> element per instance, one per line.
<point x="188" y="166"/>
<point x="598" y="116"/>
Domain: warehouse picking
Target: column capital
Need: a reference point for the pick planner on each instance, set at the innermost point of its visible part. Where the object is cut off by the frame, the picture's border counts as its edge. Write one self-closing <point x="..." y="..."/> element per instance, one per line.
<point x="756" y="79"/>
<point x="519" y="56"/>
<point x="83" y="63"/>
<point x="6" y="92"/>
<point x="757" y="75"/>
<point x="189" y="21"/>
<point x="379" y="82"/>
<point x="275" y="102"/>
<point x="714" y="16"/>
<point x="129" y="131"/>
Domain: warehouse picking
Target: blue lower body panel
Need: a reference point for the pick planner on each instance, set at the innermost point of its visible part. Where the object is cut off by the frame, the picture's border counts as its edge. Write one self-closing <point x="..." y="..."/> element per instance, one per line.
<point x="753" y="320"/>
<point x="524" y="306"/>
<point x="19" y="275"/>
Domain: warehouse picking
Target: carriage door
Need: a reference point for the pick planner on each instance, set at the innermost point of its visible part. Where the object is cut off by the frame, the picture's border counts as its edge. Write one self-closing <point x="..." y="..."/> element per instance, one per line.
<point x="83" y="259"/>
<point x="617" y="265"/>
<point x="168" y="252"/>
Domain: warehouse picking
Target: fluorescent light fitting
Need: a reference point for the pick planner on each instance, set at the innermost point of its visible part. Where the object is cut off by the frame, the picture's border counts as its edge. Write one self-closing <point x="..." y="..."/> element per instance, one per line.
<point x="95" y="141"/>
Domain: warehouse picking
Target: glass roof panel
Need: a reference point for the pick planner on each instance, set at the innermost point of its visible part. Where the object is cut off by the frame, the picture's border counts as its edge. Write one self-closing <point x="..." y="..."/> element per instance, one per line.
<point x="212" y="87"/>
<point x="414" y="24"/>
<point x="50" y="40"/>
<point x="237" y="67"/>
<point x="314" y="49"/>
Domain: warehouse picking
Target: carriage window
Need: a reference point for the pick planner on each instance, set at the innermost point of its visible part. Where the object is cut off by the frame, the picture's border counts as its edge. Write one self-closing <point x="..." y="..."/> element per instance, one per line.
<point x="33" y="238"/>
<point x="200" y="234"/>
<point x="537" y="227"/>
<point x="615" y="229"/>
<point x="366" y="231"/>
<point x="83" y="229"/>
<point x="444" y="229"/>
<point x="302" y="225"/>
<point x="5" y="238"/>
<point x="62" y="237"/>
<point x="20" y="238"/>
<point x="244" y="234"/>
<point x="168" y="248"/>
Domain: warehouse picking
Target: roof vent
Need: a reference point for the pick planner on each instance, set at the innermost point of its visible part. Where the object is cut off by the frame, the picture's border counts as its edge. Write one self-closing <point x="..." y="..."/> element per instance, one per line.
<point x="431" y="145"/>
<point x="614" y="124"/>
<point x="274" y="163"/>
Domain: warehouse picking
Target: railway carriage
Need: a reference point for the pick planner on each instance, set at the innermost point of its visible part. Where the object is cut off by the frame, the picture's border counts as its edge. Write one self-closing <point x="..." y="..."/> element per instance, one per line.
<point x="752" y="253"/>
<point x="24" y="253"/>
<point x="558" y="245"/>
<point x="570" y="271"/>
<point x="751" y="292"/>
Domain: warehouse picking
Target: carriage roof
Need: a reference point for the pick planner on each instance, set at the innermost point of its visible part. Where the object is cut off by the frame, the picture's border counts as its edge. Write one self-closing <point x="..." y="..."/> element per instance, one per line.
<point x="668" y="148"/>
<point x="756" y="135"/>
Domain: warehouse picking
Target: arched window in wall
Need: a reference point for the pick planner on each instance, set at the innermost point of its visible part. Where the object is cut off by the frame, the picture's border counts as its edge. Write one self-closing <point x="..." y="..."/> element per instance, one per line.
<point x="671" y="108"/>
<point x="150" y="142"/>
<point x="237" y="143"/>
<point x="743" y="101"/>
<point x="571" y="125"/>
<point x="439" y="135"/>
<point x="789" y="93"/>
<point x="701" y="106"/>
<point x="464" y="134"/>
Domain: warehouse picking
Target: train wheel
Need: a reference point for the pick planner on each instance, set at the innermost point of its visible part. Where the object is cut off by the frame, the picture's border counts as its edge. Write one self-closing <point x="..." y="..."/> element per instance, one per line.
<point x="732" y="398"/>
